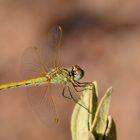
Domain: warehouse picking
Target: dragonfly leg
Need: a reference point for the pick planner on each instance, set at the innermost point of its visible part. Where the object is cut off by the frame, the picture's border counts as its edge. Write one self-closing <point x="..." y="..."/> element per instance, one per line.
<point x="77" y="90"/>
<point x="63" y="93"/>
<point x="75" y="100"/>
<point x="83" y="84"/>
<point x="75" y="86"/>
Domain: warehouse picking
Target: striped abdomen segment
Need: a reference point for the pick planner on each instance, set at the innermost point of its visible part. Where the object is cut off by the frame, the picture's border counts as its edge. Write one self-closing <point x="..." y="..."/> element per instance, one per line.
<point x="32" y="82"/>
<point x="55" y="76"/>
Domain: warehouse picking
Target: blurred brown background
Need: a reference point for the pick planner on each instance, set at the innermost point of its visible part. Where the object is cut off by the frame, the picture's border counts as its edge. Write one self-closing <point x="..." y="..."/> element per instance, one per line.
<point x="100" y="36"/>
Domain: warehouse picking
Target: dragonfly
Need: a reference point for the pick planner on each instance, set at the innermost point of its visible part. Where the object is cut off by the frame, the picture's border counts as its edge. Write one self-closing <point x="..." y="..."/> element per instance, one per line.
<point x="42" y="76"/>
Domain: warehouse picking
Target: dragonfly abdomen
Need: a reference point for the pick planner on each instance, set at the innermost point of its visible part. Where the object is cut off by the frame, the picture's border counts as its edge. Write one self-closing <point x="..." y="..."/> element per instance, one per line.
<point x="32" y="82"/>
<point x="55" y="76"/>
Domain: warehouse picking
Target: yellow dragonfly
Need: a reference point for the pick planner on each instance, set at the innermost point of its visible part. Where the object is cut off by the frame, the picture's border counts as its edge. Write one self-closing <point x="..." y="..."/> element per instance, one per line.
<point x="41" y="76"/>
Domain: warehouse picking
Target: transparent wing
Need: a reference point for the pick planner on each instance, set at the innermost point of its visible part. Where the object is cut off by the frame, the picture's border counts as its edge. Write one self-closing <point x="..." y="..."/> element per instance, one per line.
<point x="42" y="103"/>
<point x="37" y="61"/>
<point x="55" y="40"/>
<point x="33" y="64"/>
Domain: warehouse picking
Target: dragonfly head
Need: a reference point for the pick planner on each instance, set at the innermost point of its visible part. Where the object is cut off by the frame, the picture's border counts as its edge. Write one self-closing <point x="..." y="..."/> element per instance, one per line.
<point x="77" y="72"/>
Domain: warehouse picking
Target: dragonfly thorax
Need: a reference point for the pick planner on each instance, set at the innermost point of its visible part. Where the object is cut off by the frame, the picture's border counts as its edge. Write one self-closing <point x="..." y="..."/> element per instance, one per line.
<point x="77" y="73"/>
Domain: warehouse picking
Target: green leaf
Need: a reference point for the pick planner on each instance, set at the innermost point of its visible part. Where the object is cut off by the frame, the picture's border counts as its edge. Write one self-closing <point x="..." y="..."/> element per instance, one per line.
<point x="110" y="133"/>
<point x="94" y="122"/>
<point x="87" y="136"/>
<point x="100" y="122"/>
<point x="81" y="118"/>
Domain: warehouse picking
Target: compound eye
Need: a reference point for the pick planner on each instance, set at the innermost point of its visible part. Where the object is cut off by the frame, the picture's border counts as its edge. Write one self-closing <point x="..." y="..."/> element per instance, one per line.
<point x="78" y="73"/>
